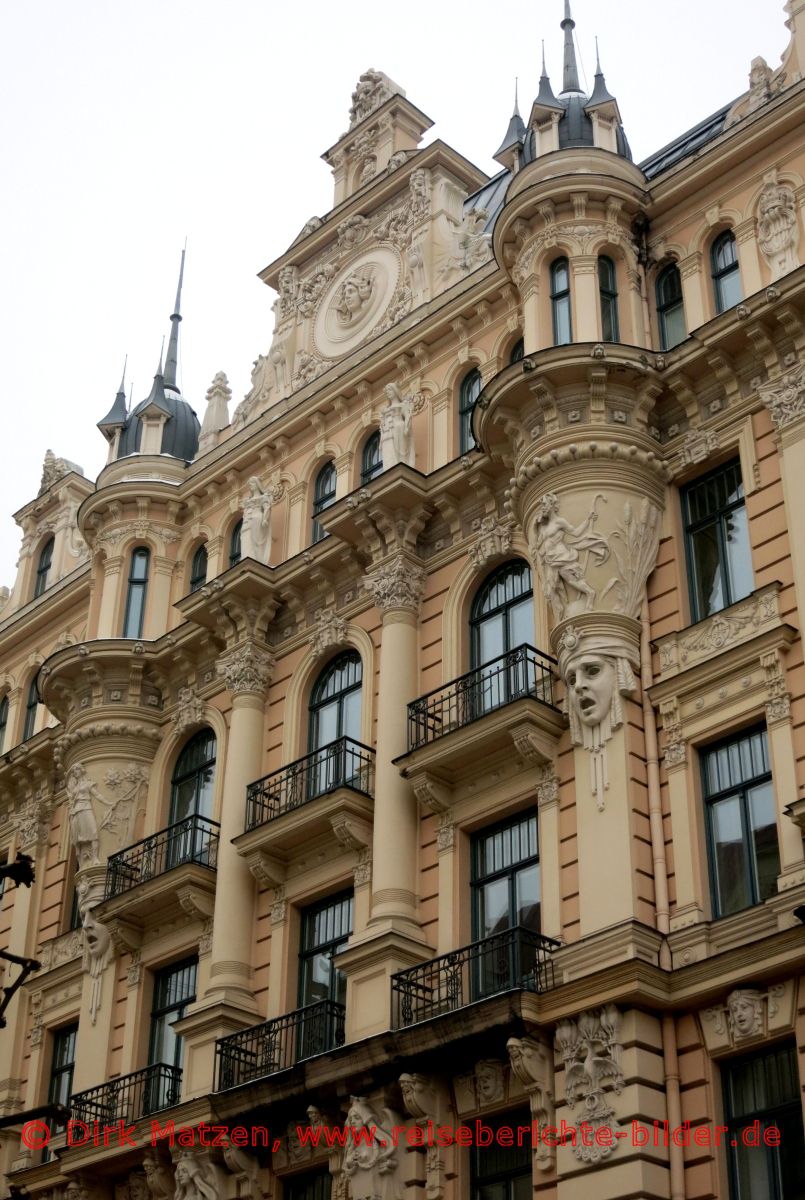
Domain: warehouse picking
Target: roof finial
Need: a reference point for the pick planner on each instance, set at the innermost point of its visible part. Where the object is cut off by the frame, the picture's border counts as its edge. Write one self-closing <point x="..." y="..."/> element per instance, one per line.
<point x="597" y="58"/>
<point x="121" y="391"/>
<point x="172" y="361"/>
<point x="116" y="417"/>
<point x="570" y="75"/>
<point x="544" y="68"/>
<point x="161" y="353"/>
<point x="516" y="112"/>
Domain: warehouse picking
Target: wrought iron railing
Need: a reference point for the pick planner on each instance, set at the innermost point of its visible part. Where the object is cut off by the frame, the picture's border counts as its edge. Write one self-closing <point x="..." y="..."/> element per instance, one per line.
<point x="276" y="1045"/>
<point x="129" y="1097"/>
<point x="193" y="840"/>
<point x="343" y="763"/>
<point x="515" y="958"/>
<point x="522" y="672"/>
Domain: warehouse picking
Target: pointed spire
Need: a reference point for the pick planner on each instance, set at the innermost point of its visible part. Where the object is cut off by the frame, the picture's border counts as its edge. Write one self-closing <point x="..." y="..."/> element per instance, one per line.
<point x="514" y="136"/>
<point x="172" y="361"/>
<point x="570" y="74"/>
<point x="116" y="417"/>
<point x="601" y="95"/>
<point x="545" y="97"/>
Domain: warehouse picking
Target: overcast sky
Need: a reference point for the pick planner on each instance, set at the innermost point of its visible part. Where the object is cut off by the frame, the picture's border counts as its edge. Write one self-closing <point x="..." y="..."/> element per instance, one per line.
<point x="128" y="125"/>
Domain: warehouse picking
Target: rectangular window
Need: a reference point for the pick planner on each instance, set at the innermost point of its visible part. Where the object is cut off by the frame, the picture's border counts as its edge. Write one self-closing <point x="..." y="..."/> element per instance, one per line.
<point x="312" y="1185"/>
<point x="503" y="1172"/>
<point x="765" y="1088"/>
<point x="174" y="991"/>
<point x="62" y="1067"/>
<point x="505" y="877"/>
<point x="326" y="928"/>
<point x="717" y="540"/>
<point x="741" y="821"/>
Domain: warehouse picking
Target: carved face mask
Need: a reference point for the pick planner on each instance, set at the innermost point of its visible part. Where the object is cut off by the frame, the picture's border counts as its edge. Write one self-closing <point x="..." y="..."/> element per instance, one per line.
<point x="590" y="682"/>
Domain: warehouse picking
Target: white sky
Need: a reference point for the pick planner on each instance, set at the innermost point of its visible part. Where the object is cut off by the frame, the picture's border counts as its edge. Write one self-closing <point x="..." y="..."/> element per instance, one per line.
<point x="128" y="125"/>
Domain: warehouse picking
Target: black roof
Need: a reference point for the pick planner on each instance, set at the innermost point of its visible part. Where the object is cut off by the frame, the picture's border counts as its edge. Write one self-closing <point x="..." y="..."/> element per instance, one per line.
<point x="685" y="145"/>
<point x="180" y="432"/>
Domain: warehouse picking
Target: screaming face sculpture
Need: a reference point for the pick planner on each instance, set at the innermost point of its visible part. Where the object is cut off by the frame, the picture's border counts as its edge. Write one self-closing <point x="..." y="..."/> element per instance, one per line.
<point x="590" y="682"/>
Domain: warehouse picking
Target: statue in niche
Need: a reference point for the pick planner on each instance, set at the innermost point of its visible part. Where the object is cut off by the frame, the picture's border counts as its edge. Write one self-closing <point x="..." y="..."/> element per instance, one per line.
<point x="396" y="430"/>
<point x="597" y="671"/>
<point x="371" y="1168"/>
<point x="81" y="791"/>
<point x="353" y="297"/>
<point x="777" y="228"/>
<point x="256" y="531"/>
<point x="563" y="553"/>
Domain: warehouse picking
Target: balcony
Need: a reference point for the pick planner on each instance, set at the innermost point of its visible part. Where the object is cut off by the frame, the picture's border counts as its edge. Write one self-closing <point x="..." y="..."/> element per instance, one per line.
<point x="131" y="1097"/>
<point x="277" y="1045"/>
<point x="148" y="876"/>
<point x="463" y="723"/>
<point x="289" y="807"/>
<point x="517" y="958"/>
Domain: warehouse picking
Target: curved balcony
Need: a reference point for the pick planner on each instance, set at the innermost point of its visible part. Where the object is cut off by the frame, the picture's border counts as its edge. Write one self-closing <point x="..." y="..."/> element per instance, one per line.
<point x="278" y="1044"/>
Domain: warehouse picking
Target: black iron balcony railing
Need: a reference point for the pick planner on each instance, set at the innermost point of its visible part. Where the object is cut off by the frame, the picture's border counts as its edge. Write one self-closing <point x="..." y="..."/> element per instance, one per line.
<point x="193" y="840"/>
<point x="522" y="672"/>
<point x="343" y="763"/>
<point x="515" y="958"/>
<point x="275" y="1045"/>
<point x="130" y="1097"/>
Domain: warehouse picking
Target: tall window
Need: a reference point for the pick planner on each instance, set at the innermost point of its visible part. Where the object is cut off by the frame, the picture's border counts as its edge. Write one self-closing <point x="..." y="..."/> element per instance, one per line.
<point x="234" y="544"/>
<point x="62" y="1068"/>
<point x="43" y="567"/>
<point x="371" y="460"/>
<point x="670" y="307"/>
<point x="174" y="991"/>
<point x="325" y="930"/>
<point x="502" y="1172"/>
<point x="608" y="294"/>
<point x="502" y="615"/>
<point x="468" y="395"/>
<point x="3" y="722"/>
<point x="192" y="780"/>
<point x="323" y="497"/>
<point x="765" y="1087"/>
<point x="31" y="706"/>
<point x="717" y="540"/>
<point x="137" y="590"/>
<point x="517" y="352"/>
<point x="335" y="713"/>
<point x="742" y="827"/>
<point x="726" y="272"/>
<point x="560" y="302"/>
<point x="505" y="877"/>
<point x="198" y="569"/>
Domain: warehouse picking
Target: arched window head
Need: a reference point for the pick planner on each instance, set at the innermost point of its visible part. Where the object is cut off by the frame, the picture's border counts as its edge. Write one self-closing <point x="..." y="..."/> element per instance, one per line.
<point x="31" y="706"/>
<point x="43" y="567"/>
<point x="726" y="272"/>
<point x="3" y="722"/>
<point x="371" y="461"/>
<point x="323" y="497"/>
<point x="469" y="392"/>
<point x="670" y="307"/>
<point x="517" y="353"/>
<point x="136" y="593"/>
<point x="234" y="544"/>
<point x="502" y="615"/>
<point x="608" y="294"/>
<point x="335" y="701"/>
<point x="198" y="569"/>
<point x="560" y="302"/>
<point x="192" y="779"/>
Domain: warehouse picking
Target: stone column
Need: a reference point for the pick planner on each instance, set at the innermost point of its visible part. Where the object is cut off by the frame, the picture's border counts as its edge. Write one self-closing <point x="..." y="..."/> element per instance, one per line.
<point x="586" y="319"/>
<point x="690" y="269"/>
<point x="748" y="257"/>
<point x="107" y="624"/>
<point x="157" y="610"/>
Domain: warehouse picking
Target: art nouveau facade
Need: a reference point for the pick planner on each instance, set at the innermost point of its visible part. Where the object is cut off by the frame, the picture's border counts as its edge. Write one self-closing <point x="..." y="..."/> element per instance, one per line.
<point x="426" y="740"/>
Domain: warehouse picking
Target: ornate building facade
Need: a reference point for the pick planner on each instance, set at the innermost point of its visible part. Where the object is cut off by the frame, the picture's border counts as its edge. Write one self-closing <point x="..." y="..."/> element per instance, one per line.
<point x="425" y="740"/>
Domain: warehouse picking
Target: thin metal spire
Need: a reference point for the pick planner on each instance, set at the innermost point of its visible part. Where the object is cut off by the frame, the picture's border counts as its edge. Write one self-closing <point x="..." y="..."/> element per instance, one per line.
<point x="161" y="353"/>
<point x="121" y="391"/>
<point x="570" y="74"/>
<point x="516" y="112"/>
<point x="544" y="68"/>
<point x="172" y="361"/>
<point x="597" y="58"/>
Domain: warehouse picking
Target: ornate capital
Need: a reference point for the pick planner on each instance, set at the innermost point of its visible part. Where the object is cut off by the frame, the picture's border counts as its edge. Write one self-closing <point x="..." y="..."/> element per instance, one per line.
<point x="247" y="668"/>
<point x="398" y="584"/>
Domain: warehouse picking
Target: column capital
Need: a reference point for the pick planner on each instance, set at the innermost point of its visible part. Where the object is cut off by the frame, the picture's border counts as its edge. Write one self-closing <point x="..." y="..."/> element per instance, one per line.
<point x="246" y="669"/>
<point x="785" y="399"/>
<point x="397" y="584"/>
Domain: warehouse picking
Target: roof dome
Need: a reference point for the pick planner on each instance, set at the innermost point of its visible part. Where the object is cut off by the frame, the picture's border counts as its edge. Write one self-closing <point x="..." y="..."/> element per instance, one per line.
<point x="180" y="432"/>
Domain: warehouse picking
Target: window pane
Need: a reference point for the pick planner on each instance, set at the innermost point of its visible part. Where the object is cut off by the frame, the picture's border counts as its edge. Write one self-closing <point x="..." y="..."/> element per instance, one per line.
<point x="561" y="322"/>
<point x="521" y="624"/>
<point x="673" y="326"/>
<point x="351" y="721"/>
<point x="708" y="577"/>
<point x="493" y="913"/>
<point x="729" y="291"/>
<point x="609" y="319"/>
<point x="491" y="638"/>
<point x="134" y="610"/>
<point x="764" y="835"/>
<point x="739" y="556"/>
<point x="729" y="857"/>
<point x="527" y="897"/>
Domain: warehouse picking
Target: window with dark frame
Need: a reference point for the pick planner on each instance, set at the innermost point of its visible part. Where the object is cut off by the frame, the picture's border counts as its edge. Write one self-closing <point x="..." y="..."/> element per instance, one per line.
<point x="43" y="567"/>
<point x="334" y="712"/>
<point x="174" y="991"/>
<point x="717" y="540"/>
<point x="371" y="461"/>
<point x="234" y="544"/>
<point x="765" y="1087"/>
<point x="560" y="302"/>
<point x="3" y="722"/>
<point x="501" y="621"/>
<point x="468" y="395"/>
<point x="31" y="708"/>
<point x="198" y="568"/>
<point x="670" y="307"/>
<point x="503" y="1172"/>
<point x="310" y="1185"/>
<point x="517" y="353"/>
<point x="608" y="296"/>
<point x="506" y="877"/>
<point x="741" y="822"/>
<point x="326" y="928"/>
<point x="726" y="271"/>
<point x="136" y="593"/>
<point x="323" y="498"/>
<point x="62" y="1069"/>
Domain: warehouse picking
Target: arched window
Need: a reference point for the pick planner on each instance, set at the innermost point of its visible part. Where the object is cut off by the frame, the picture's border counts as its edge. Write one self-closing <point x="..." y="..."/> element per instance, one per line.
<point x="3" y="721"/>
<point x="468" y="396"/>
<point x="670" y="307"/>
<point x="137" y="589"/>
<point x="234" y="544"/>
<point x="31" y="706"/>
<point x="504" y="663"/>
<point x="334" y="715"/>
<point x="198" y="569"/>
<point x="726" y="273"/>
<point x="192" y="779"/>
<point x="560" y="302"/>
<point x="517" y="352"/>
<point x="323" y="497"/>
<point x="43" y="568"/>
<point x="608" y="293"/>
<point x="371" y="461"/>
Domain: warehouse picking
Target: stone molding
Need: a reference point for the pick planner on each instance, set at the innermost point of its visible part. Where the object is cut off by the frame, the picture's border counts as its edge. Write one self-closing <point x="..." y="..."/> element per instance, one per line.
<point x="730" y="627"/>
<point x="246" y="669"/>
<point x="397" y="584"/>
<point x="749" y="1015"/>
<point x="785" y="398"/>
<point x="591" y="1052"/>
